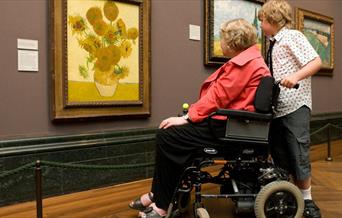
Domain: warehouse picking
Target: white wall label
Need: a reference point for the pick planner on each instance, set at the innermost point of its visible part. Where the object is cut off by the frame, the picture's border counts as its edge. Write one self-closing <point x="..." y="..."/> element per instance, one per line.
<point x="27" y="60"/>
<point x="27" y="44"/>
<point x="194" y="32"/>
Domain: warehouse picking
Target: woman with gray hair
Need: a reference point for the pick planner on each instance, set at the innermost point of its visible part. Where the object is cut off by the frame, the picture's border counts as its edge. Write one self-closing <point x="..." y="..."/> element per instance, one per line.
<point x="178" y="139"/>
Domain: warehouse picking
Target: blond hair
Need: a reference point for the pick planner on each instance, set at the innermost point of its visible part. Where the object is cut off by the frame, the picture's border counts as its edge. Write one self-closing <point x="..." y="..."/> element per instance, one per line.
<point x="276" y="12"/>
<point x="238" y="34"/>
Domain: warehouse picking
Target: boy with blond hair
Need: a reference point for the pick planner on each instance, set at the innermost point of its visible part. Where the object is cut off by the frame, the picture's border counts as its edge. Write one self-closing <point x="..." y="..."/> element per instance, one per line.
<point x="291" y="60"/>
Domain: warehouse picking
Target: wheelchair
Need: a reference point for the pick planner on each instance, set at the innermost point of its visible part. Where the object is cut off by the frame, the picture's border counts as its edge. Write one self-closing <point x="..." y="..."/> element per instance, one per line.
<point x="248" y="176"/>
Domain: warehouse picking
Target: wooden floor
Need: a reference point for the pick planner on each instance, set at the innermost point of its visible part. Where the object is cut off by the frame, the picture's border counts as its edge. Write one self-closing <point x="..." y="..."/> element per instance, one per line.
<point x="112" y="202"/>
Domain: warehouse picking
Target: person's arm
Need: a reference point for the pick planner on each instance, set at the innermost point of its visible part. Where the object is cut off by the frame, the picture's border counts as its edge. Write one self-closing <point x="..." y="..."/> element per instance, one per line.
<point x="223" y="90"/>
<point x="172" y="121"/>
<point x="176" y="121"/>
<point x="306" y="56"/>
<point x="308" y="70"/>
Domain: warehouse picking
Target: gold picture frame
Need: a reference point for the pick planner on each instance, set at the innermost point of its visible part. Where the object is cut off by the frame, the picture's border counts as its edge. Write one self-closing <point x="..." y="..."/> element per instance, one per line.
<point x="100" y="58"/>
<point x="319" y="29"/>
<point x="217" y="12"/>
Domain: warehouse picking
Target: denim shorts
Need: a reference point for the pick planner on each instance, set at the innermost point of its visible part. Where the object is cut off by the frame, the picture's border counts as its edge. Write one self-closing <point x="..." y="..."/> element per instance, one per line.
<point x="290" y="143"/>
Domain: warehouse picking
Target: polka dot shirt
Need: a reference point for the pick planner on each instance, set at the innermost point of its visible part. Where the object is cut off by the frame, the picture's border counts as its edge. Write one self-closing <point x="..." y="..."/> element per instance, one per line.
<point x="291" y="52"/>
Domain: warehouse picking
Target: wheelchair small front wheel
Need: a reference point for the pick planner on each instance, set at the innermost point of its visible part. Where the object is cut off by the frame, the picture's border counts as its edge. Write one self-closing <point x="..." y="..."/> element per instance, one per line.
<point x="202" y="213"/>
<point x="279" y="199"/>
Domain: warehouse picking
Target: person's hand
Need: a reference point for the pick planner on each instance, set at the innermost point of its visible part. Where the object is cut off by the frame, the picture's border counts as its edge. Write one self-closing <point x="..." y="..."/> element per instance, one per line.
<point x="289" y="81"/>
<point x="172" y="121"/>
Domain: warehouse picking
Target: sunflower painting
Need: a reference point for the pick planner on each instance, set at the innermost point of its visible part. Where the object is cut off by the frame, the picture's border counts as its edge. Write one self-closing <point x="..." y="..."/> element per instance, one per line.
<point x="102" y="52"/>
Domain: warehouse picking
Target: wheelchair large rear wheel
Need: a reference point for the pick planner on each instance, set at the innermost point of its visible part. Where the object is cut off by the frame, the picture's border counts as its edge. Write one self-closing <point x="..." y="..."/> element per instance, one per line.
<point x="279" y="199"/>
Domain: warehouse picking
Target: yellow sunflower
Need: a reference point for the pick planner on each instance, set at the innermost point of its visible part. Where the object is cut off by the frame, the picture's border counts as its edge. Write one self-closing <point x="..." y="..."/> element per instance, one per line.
<point x="111" y="34"/>
<point x="122" y="27"/>
<point x="86" y="45"/>
<point x="77" y="24"/>
<point x="121" y="72"/>
<point x="90" y="44"/>
<point x="116" y="53"/>
<point x="132" y="33"/>
<point x="104" y="59"/>
<point x="95" y="40"/>
<point x="94" y="14"/>
<point x="100" y="27"/>
<point x="110" y="10"/>
<point x="126" y="49"/>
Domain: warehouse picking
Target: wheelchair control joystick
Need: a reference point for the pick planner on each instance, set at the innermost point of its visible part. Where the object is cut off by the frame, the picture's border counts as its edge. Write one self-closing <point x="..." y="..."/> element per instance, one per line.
<point x="185" y="108"/>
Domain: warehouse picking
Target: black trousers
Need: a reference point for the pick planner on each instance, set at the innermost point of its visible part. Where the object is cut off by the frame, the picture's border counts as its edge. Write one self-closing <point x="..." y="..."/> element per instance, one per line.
<point x="176" y="148"/>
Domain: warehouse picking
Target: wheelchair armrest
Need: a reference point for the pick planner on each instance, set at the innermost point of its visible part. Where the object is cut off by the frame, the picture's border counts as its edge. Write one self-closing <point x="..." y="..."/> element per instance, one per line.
<point x="241" y="114"/>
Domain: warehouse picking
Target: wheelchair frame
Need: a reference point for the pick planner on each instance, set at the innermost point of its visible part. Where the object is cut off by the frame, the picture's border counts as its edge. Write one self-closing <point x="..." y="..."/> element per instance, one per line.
<point x="247" y="176"/>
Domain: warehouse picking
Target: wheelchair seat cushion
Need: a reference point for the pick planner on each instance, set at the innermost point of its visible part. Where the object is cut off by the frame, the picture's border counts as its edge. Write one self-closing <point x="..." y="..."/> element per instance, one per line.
<point x="264" y="95"/>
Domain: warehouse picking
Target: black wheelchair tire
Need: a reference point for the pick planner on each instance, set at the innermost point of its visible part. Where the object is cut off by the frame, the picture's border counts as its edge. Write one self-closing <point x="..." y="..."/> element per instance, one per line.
<point x="273" y="188"/>
<point x="183" y="201"/>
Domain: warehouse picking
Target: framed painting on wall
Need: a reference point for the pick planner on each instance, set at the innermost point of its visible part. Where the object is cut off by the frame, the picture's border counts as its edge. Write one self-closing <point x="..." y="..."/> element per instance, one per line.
<point x="100" y="58"/>
<point x="319" y="30"/>
<point x="218" y="11"/>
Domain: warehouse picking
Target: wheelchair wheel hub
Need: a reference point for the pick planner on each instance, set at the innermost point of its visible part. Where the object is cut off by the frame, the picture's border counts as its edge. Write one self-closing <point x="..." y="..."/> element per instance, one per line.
<point x="281" y="203"/>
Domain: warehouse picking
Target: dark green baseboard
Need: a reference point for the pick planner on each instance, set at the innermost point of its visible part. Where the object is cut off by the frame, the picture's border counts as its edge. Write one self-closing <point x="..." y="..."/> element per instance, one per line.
<point x="109" y="148"/>
<point x="321" y="134"/>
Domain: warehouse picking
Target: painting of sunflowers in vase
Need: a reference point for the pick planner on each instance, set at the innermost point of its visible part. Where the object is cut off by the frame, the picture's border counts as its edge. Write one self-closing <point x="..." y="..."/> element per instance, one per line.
<point x="102" y="51"/>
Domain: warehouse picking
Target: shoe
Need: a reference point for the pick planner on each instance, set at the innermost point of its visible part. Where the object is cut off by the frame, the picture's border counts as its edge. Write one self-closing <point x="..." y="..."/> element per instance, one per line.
<point x="138" y="205"/>
<point x="150" y="213"/>
<point x="311" y="210"/>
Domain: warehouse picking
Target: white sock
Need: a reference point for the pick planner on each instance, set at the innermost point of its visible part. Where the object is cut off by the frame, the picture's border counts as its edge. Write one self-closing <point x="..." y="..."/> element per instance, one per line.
<point x="306" y="193"/>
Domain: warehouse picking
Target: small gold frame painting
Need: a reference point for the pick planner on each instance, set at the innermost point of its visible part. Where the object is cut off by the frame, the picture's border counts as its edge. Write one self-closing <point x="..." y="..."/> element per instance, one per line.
<point x="319" y="30"/>
<point x="215" y="13"/>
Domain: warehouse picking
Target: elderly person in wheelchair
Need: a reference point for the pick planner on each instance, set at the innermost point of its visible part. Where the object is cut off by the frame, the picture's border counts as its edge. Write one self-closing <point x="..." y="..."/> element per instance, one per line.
<point x="185" y="144"/>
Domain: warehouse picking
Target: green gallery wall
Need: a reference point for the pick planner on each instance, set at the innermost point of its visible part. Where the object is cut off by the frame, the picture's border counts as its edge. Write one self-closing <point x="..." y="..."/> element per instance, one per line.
<point x="177" y="70"/>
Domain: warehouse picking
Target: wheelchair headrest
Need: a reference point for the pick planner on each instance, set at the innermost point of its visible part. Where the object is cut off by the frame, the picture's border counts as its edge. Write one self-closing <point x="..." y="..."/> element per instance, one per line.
<point x="264" y="95"/>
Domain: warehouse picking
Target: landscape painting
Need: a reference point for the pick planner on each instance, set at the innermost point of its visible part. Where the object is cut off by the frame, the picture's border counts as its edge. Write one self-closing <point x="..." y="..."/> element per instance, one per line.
<point x="219" y="11"/>
<point x="319" y="30"/>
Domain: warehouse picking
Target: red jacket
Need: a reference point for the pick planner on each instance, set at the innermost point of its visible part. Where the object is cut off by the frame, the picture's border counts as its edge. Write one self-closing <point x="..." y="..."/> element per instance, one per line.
<point x="232" y="86"/>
